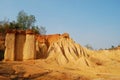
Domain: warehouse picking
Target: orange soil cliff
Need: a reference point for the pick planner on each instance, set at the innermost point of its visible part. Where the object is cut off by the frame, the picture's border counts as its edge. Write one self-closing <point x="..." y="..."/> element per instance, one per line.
<point x="44" y="41"/>
<point x="20" y="45"/>
<point x="49" y="39"/>
<point x="24" y="45"/>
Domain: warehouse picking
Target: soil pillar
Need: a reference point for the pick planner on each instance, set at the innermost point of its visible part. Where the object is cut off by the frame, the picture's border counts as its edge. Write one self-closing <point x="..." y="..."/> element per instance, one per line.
<point x="19" y="44"/>
<point x="29" y="51"/>
<point x="10" y="45"/>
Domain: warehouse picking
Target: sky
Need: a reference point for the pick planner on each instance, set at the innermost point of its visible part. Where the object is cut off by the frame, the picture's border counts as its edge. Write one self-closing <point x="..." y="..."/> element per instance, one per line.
<point x="93" y="22"/>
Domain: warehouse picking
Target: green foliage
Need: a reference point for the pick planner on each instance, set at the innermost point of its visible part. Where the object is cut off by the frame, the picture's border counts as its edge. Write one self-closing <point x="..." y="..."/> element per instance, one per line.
<point x="40" y="30"/>
<point x="35" y="29"/>
<point x="88" y="46"/>
<point x="112" y="47"/>
<point x="26" y="21"/>
<point x="1" y="29"/>
<point x="100" y="49"/>
<point x="13" y="25"/>
<point x="4" y="25"/>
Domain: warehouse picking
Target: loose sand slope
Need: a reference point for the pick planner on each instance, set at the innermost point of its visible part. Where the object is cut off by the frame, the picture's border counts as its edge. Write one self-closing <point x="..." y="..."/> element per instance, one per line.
<point x="66" y="60"/>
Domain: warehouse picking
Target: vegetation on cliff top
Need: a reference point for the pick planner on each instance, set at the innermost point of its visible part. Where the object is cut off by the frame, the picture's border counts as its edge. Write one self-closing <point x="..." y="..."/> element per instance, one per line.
<point x="23" y="22"/>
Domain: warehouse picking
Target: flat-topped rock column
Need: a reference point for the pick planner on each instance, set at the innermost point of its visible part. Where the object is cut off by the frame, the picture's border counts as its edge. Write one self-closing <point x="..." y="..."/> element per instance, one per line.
<point x="10" y="46"/>
<point x="19" y="44"/>
<point x="29" y="51"/>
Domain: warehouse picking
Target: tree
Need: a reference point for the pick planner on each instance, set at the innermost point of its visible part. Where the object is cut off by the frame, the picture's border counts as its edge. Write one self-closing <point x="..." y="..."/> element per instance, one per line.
<point x="112" y="47"/>
<point x="88" y="46"/>
<point x="40" y="30"/>
<point x="4" y="25"/>
<point x="26" y="21"/>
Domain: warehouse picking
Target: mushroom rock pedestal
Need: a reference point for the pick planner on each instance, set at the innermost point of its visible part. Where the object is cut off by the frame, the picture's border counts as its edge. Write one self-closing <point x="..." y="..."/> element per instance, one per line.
<point x="29" y="51"/>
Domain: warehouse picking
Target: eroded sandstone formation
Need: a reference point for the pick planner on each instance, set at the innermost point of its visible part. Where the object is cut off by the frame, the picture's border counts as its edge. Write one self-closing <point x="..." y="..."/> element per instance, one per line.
<point x="2" y="41"/>
<point x="66" y="51"/>
<point x="25" y="45"/>
<point x="60" y="49"/>
<point x="29" y="50"/>
<point x="59" y="56"/>
<point x="10" y="46"/>
<point x="20" y="45"/>
<point x="43" y="43"/>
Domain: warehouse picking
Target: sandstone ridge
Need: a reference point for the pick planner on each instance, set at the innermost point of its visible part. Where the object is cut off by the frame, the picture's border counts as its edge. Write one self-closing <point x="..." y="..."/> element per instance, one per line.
<point x="66" y="51"/>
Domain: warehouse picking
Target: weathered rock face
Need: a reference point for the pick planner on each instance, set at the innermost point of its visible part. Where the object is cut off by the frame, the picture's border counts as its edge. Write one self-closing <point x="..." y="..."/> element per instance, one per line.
<point x="2" y="42"/>
<point x="66" y="51"/>
<point x="29" y="47"/>
<point x="2" y="46"/>
<point x="60" y="56"/>
<point x="10" y="47"/>
<point x="52" y="38"/>
<point x="20" y="45"/>
<point x="43" y="43"/>
<point x="49" y="39"/>
<point x="25" y="45"/>
<point x="20" y="38"/>
<point x="61" y="49"/>
<point x="41" y="47"/>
